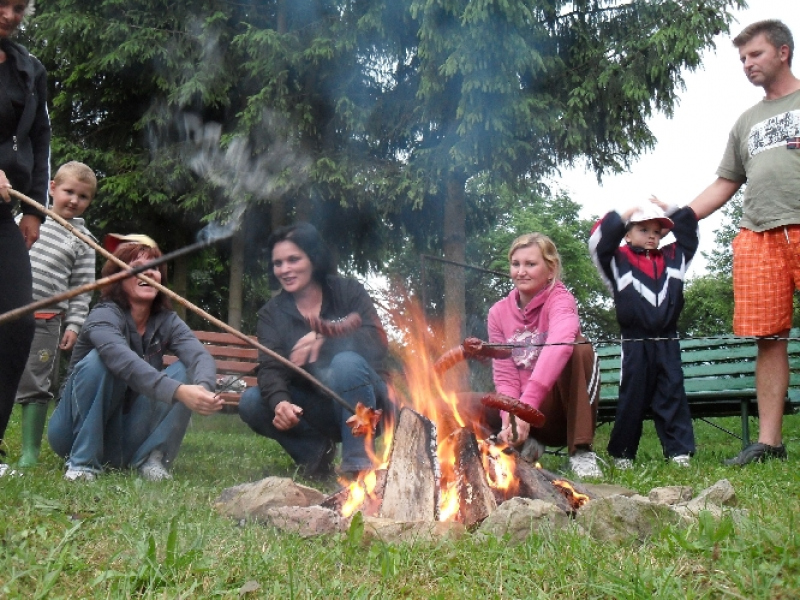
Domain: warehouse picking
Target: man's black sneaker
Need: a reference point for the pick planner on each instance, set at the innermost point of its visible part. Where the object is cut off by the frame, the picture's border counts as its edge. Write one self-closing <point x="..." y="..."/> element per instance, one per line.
<point x="757" y="452"/>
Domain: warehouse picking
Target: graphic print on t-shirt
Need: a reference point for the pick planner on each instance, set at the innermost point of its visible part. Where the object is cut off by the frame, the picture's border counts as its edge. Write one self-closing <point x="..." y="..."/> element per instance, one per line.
<point x="528" y="347"/>
<point x="774" y="132"/>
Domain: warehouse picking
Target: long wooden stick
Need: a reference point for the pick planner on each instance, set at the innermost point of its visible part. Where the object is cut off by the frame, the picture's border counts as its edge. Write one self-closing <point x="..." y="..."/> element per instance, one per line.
<point x="182" y="301"/>
<point x="16" y="313"/>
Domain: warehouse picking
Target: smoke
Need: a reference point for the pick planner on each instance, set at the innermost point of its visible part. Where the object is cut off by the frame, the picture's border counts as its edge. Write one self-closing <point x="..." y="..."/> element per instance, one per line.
<point x="237" y="170"/>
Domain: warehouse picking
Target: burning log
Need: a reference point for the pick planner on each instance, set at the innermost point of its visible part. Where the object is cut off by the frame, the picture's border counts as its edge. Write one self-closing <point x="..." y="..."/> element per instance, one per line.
<point x="412" y="481"/>
<point x="475" y="498"/>
<point x="535" y="485"/>
<point x="575" y="493"/>
<point x="371" y="503"/>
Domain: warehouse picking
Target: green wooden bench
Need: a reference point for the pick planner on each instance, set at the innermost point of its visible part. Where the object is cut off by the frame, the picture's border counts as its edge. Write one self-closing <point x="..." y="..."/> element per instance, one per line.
<point x="719" y="377"/>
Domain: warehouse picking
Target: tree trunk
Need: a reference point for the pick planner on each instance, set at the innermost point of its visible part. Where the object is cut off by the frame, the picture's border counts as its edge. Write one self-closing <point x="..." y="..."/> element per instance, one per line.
<point x="235" y="286"/>
<point x="455" y="238"/>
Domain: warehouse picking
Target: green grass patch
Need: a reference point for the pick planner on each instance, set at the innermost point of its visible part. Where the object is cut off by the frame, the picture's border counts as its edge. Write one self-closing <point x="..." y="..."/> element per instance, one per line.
<point x="121" y="537"/>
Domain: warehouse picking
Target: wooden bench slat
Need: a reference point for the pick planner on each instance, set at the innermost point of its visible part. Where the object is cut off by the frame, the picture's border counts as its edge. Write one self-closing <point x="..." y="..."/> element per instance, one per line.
<point x="232" y="352"/>
<point x="234" y="358"/>
<point x="225" y="339"/>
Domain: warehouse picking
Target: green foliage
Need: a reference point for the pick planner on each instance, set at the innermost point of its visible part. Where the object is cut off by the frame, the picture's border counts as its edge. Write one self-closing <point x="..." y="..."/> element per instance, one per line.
<point x="386" y="103"/>
<point x="720" y="260"/>
<point x="708" y="308"/>
<point x="505" y="213"/>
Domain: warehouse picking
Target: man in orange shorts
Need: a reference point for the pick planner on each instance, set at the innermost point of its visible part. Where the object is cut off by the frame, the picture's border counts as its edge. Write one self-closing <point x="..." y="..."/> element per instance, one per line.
<point x="764" y="151"/>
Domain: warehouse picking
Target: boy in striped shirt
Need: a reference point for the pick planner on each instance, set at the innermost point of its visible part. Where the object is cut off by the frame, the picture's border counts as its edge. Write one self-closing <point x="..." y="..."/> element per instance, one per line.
<point x="59" y="261"/>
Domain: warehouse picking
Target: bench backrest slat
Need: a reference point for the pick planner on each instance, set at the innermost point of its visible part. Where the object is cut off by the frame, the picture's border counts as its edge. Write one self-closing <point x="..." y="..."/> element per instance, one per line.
<point x="233" y="357"/>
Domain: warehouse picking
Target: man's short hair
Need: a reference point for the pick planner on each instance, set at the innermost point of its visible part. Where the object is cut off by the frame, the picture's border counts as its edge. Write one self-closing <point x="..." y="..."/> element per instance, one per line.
<point x="78" y="171"/>
<point x="776" y="32"/>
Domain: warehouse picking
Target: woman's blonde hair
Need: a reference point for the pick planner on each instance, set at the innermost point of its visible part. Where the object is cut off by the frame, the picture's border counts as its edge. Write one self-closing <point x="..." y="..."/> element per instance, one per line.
<point x="546" y="247"/>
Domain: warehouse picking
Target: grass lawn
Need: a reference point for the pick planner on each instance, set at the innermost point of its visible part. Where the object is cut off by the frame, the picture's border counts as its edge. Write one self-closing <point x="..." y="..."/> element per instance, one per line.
<point x="121" y="537"/>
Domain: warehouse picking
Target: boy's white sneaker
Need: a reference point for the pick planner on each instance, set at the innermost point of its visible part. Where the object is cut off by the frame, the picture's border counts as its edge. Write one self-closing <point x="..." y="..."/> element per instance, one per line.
<point x="682" y="460"/>
<point x="7" y="470"/>
<point x="623" y="464"/>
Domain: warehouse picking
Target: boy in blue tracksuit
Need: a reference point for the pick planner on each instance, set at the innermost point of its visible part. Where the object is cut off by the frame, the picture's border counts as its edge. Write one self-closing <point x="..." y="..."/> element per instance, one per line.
<point x="647" y="284"/>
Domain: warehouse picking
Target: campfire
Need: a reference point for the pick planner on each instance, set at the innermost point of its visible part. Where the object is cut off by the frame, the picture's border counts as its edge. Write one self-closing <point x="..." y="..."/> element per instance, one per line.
<point x="438" y="464"/>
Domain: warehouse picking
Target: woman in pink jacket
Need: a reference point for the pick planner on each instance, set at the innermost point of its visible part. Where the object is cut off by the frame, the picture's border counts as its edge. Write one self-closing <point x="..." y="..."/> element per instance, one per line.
<point x="554" y="368"/>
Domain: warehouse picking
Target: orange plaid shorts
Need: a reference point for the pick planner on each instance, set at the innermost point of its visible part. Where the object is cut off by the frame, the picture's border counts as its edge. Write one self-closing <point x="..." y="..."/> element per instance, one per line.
<point x="766" y="271"/>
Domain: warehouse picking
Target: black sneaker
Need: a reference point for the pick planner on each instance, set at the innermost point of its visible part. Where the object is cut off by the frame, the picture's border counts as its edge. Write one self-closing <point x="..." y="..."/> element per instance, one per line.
<point x="757" y="452"/>
<point x="322" y="468"/>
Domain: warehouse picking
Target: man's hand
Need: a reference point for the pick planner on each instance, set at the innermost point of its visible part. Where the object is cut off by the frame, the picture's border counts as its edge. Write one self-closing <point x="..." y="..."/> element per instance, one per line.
<point x="306" y="350"/>
<point x="29" y="226"/>
<point x="287" y="415"/>
<point x="198" y="399"/>
<point x="68" y="340"/>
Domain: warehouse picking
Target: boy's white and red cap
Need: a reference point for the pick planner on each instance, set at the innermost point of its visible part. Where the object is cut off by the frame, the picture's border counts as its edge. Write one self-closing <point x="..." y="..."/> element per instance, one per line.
<point x="651" y="212"/>
<point x="113" y="240"/>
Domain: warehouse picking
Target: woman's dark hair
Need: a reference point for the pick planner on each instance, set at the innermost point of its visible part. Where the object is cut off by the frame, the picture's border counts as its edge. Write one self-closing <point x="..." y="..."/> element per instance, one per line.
<point x="308" y="239"/>
<point x="127" y="253"/>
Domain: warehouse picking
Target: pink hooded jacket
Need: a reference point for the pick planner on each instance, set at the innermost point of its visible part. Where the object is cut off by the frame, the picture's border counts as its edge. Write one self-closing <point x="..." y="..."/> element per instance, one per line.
<point x="550" y="317"/>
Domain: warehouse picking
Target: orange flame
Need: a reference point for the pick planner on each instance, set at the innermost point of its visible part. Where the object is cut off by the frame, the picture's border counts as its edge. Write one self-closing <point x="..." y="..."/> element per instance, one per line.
<point x="359" y="491"/>
<point x="420" y="389"/>
<point x="499" y="467"/>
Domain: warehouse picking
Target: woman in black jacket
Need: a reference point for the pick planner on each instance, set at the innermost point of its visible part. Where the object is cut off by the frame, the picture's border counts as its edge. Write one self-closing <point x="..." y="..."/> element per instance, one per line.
<point x="25" y="167"/>
<point x="284" y="406"/>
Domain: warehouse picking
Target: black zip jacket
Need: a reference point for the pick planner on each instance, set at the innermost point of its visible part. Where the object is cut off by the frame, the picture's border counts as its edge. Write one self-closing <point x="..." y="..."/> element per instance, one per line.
<point x="280" y="325"/>
<point x="647" y="285"/>
<point x="25" y="149"/>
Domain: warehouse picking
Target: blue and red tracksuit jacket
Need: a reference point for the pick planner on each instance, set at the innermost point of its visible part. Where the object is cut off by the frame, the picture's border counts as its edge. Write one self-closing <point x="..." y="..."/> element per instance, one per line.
<point x="647" y="285"/>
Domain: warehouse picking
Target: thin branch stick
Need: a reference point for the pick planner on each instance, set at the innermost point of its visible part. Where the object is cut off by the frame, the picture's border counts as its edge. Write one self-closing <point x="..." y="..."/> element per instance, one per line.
<point x="183" y="302"/>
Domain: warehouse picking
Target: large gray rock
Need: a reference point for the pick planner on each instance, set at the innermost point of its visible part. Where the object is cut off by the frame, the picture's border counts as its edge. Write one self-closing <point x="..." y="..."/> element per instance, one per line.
<point x="712" y="500"/>
<point x="519" y="517"/>
<point x="391" y="531"/>
<point x="619" y="518"/>
<point x="307" y="521"/>
<point x="670" y="495"/>
<point x="251" y="500"/>
<point x="721" y="494"/>
<point x="604" y="490"/>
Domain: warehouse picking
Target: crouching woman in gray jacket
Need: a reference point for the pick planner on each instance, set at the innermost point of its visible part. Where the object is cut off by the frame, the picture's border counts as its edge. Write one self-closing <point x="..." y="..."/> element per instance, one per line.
<point x="119" y="406"/>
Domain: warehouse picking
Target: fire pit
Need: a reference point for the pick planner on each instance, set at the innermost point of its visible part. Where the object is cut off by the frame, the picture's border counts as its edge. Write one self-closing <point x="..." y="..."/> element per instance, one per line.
<point x="459" y="478"/>
<point x="440" y="463"/>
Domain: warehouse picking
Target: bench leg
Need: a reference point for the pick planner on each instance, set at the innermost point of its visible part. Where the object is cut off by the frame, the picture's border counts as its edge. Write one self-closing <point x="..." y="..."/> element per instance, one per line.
<point x="745" y="423"/>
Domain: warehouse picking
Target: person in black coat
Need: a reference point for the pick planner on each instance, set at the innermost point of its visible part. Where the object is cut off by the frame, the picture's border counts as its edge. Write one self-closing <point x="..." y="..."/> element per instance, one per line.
<point x="285" y="406"/>
<point x="24" y="167"/>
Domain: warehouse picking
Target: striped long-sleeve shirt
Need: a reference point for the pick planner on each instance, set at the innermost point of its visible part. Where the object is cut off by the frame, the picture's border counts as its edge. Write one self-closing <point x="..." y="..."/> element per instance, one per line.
<point x="60" y="261"/>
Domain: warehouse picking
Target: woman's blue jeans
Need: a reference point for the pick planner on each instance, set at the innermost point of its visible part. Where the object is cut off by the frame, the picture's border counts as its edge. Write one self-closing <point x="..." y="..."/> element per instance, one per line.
<point x="93" y="426"/>
<point x="323" y="419"/>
